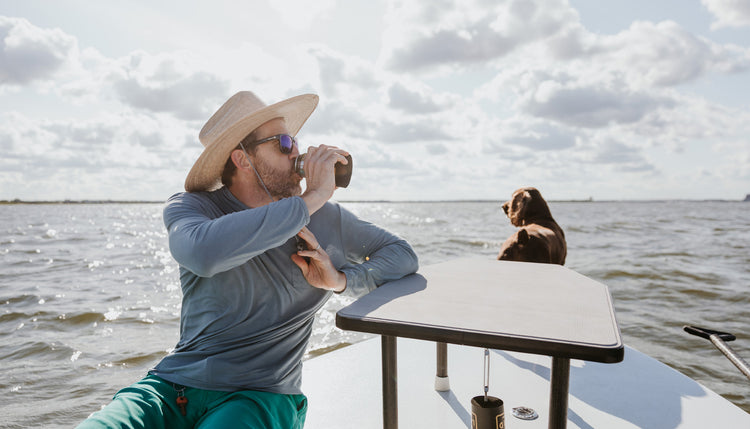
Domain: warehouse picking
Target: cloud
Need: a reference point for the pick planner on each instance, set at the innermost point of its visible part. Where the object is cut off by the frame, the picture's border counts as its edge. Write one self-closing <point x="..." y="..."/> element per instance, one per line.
<point x="126" y="155"/>
<point x="108" y="141"/>
<point x="301" y="13"/>
<point x="623" y="157"/>
<point x="539" y="136"/>
<point x="666" y="54"/>
<point x="728" y="13"/>
<point x="411" y="100"/>
<point x="168" y="83"/>
<point x="29" y="53"/>
<point x="414" y="131"/>
<point x="467" y="97"/>
<point x="342" y="75"/>
<point x="436" y="149"/>
<point x="592" y="106"/>
<point x="644" y="55"/>
<point x="173" y="82"/>
<point x="452" y="32"/>
<point x="338" y="117"/>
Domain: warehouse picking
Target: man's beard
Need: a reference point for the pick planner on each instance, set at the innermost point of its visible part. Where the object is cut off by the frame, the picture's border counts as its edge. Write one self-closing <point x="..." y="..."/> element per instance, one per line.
<point x="280" y="184"/>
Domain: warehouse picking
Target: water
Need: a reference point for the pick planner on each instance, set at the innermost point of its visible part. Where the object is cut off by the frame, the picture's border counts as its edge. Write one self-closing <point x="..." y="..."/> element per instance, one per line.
<point x="90" y="297"/>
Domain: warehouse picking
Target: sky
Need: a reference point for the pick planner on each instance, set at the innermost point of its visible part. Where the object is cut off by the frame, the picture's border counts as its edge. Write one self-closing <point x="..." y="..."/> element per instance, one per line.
<point x="435" y="100"/>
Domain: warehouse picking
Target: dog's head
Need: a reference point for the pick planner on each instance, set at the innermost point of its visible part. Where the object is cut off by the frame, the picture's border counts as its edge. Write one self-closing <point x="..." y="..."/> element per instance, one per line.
<point x="526" y="204"/>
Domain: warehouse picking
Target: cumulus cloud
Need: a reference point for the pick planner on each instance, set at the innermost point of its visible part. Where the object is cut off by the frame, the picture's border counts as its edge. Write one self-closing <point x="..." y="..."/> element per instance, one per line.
<point x="168" y="83"/>
<point x="666" y="54"/>
<point x="646" y="54"/>
<point x="623" y="157"/>
<point x="105" y="157"/>
<point x="338" y="117"/>
<point x="458" y="32"/>
<point x="436" y="149"/>
<point x="728" y="13"/>
<point x="537" y="135"/>
<point x="590" y="106"/>
<point x="411" y="100"/>
<point x="342" y="75"/>
<point x="403" y="98"/>
<point x="29" y="53"/>
<point x="563" y="103"/>
<point x="410" y="132"/>
<point x="107" y="141"/>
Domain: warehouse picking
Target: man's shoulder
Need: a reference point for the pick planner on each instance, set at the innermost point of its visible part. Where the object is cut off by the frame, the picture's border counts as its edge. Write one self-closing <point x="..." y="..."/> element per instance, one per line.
<point x="188" y="198"/>
<point x="330" y="208"/>
<point x="183" y="203"/>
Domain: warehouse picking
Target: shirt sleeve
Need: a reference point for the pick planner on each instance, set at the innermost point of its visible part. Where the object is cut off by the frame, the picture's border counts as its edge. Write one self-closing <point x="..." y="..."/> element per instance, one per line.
<point x="206" y="242"/>
<point x="375" y="256"/>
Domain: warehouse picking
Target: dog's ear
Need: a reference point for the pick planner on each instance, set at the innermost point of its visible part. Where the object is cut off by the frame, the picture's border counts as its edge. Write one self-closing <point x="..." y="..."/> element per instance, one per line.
<point x="523" y="236"/>
<point x="535" y="206"/>
<point x="521" y="198"/>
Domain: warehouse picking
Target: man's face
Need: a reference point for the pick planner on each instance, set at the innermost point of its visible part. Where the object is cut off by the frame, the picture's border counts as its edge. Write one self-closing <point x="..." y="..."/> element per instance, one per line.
<point x="274" y="167"/>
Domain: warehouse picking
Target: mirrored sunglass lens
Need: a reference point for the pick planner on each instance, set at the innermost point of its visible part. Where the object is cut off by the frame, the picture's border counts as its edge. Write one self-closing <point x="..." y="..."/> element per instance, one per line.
<point x="286" y="143"/>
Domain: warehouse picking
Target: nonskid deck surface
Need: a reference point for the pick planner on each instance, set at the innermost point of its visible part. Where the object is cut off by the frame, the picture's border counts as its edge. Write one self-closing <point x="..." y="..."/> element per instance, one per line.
<point x="344" y="390"/>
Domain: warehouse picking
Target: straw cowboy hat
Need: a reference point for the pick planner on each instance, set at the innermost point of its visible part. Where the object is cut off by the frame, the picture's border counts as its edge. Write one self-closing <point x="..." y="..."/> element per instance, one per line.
<point x="235" y="119"/>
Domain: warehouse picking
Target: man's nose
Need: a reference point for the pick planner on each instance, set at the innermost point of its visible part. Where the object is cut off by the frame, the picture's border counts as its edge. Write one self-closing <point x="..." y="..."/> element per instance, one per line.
<point x="295" y="152"/>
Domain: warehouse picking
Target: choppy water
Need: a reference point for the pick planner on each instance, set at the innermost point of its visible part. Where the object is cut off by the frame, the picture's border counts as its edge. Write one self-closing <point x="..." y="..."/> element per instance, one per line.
<point x="90" y="297"/>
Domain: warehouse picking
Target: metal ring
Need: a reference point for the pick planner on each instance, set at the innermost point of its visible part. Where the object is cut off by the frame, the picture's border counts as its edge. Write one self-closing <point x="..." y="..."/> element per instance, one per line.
<point x="525" y="413"/>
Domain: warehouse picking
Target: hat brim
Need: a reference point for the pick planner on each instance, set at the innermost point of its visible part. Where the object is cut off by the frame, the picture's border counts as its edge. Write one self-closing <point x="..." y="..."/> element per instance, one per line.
<point x="205" y="175"/>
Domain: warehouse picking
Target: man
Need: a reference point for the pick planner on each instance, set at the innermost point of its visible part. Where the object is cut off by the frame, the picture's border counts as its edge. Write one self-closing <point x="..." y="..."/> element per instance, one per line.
<point x="257" y="259"/>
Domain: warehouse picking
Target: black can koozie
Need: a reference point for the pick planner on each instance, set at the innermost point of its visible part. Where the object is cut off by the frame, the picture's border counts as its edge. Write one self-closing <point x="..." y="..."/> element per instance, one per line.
<point x="489" y="414"/>
<point x="342" y="172"/>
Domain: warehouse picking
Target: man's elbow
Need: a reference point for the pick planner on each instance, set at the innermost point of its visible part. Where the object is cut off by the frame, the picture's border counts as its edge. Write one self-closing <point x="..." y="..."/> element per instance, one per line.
<point x="205" y="270"/>
<point x="411" y="260"/>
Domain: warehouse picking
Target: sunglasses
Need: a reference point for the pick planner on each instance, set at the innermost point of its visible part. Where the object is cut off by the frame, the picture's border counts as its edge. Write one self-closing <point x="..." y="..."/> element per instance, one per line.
<point x="286" y="142"/>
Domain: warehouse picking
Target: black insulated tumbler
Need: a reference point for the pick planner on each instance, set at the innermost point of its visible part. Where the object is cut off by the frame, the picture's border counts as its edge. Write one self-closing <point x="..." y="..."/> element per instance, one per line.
<point x="342" y="172"/>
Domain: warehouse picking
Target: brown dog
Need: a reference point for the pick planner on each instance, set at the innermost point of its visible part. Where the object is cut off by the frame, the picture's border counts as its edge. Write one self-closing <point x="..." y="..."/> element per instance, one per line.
<point x="540" y="238"/>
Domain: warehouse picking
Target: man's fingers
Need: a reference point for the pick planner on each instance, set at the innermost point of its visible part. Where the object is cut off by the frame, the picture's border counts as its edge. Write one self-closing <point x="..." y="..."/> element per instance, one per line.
<point x="309" y="237"/>
<point x="327" y="153"/>
<point x="300" y="262"/>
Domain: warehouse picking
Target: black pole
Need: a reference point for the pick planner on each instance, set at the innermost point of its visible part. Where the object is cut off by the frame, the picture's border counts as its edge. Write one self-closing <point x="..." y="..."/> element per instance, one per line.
<point x="442" y="360"/>
<point x="442" y="383"/>
<point x="390" y="387"/>
<point x="558" y="396"/>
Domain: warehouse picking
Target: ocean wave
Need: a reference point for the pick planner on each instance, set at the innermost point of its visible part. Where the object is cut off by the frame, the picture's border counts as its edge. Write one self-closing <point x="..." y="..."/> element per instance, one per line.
<point x="40" y="350"/>
<point x="97" y="302"/>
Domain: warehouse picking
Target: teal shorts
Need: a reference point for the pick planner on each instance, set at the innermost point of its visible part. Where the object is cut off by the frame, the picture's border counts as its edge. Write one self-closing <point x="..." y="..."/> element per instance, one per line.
<point x="152" y="403"/>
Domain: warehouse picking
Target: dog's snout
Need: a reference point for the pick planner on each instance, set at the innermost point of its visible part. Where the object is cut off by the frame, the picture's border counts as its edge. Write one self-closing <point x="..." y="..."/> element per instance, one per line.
<point x="505" y="208"/>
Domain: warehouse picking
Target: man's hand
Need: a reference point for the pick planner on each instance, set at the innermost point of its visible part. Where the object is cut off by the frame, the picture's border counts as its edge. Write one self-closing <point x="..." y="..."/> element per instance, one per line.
<point x="319" y="270"/>
<point x="320" y="180"/>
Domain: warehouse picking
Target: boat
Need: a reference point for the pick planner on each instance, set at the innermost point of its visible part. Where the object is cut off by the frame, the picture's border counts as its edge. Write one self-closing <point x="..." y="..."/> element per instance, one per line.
<point x="522" y="332"/>
<point x="344" y="390"/>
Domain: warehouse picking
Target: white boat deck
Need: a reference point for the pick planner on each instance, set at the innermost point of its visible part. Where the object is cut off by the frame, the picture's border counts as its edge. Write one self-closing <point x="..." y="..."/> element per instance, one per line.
<point x="344" y="390"/>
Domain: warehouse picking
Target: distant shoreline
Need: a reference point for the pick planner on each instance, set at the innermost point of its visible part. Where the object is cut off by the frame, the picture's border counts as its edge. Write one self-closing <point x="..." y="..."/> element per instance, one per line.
<point x="588" y="200"/>
<point x="12" y="202"/>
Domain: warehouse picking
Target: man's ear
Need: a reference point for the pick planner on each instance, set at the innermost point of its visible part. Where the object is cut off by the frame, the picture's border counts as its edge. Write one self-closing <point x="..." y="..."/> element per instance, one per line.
<point x="239" y="160"/>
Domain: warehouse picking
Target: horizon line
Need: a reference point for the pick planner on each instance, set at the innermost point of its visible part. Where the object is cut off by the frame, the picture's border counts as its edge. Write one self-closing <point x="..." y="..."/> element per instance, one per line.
<point x="471" y="200"/>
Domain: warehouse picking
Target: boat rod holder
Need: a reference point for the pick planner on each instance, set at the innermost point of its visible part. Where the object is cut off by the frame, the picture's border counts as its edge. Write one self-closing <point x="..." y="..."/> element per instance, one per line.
<point x="718" y="339"/>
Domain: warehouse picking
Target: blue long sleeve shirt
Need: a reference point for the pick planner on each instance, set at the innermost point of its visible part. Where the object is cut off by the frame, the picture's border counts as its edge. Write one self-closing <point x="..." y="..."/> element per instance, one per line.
<point x="247" y="311"/>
